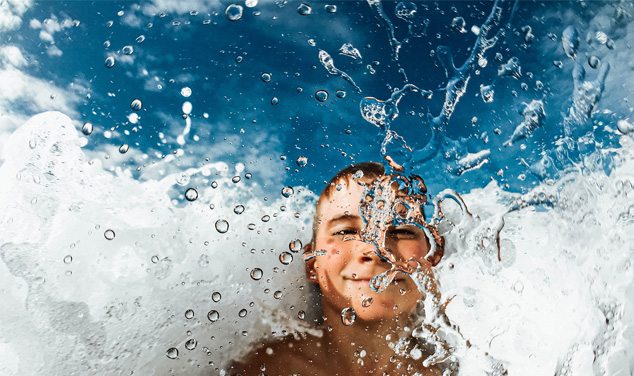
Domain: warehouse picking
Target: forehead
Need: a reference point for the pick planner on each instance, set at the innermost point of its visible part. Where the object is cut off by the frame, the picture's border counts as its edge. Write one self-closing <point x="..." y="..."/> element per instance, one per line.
<point x="344" y="200"/>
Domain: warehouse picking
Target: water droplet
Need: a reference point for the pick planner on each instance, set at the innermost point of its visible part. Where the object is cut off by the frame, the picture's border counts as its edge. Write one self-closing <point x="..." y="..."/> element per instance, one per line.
<point x="266" y="218"/>
<point x="186" y="92"/>
<point x="239" y="59"/>
<point x="266" y="77"/>
<point x="302" y="161"/>
<point x="124" y="148"/>
<point x="189" y="314"/>
<point x="154" y="259"/>
<point x="287" y="192"/>
<point x="236" y="179"/>
<point x="256" y="274"/>
<point x="109" y="234"/>
<point x="295" y="245"/>
<point x="109" y="62"/>
<point x="216" y="296"/>
<point x="191" y="194"/>
<point x="277" y="294"/>
<point x="222" y="226"/>
<point x="594" y="62"/>
<point x="191" y="344"/>
<point x="140" y="39"/>
<point x="558" y="63"/>
<point x="348" y="315"/>
<point x="243" y="312"/>
<point x="340" y="94"/>
<point x="136" y="104"/>
<point x="304" y="9"/>
<point x="301" y="315"/>
<point x="275" y="101"/>
<point x="182" y="178"/>
<point x="321" y="95"/>
<point x="87" y="128"/>
<point x="128" y="50"/>
<point x="286" y="258"/>
<point x="233" y="12"/>
<point x="331" y="8"/>
<point x="213" y="316"/>
<point x="214" y="184"/>
<point x="172" y="353"/>
<point x="367" y="302"/>
<point x="68" y="259"/>
<point x="239" y="209"/>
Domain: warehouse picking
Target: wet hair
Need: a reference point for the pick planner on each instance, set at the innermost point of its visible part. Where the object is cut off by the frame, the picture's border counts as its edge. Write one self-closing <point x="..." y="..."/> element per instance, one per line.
<point x="364" y="173"/>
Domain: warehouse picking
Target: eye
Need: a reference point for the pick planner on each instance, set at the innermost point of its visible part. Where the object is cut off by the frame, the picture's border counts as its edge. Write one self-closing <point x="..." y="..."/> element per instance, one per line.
<point x="345" y="231"/>
<point x="408" y="232"/>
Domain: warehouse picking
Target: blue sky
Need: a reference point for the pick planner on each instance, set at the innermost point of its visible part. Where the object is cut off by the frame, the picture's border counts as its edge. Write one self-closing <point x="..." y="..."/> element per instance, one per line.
<point x="54" y="52"/>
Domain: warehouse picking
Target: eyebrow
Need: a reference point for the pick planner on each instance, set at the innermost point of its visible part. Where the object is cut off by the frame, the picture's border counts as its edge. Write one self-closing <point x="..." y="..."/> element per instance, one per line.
<point x="343" y="217"/>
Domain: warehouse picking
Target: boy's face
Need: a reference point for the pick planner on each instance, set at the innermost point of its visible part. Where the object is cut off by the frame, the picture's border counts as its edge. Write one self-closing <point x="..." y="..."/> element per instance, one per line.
<point x="344" y="271"/>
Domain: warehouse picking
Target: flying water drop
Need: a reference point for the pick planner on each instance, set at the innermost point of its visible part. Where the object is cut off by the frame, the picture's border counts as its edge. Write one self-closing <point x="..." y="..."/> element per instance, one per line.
<point x="286" y="258"/>
<point x="216" y="296"/>
<point x="321" y="95"/>
<point x="239" y="209"/>
<point x="87" y="128"/>
<point x="109" y="234"/>
<point x="266" y="77"/>
<point x="213" y="316"/>
<point x="222" y="226"/>
<point x="304" y="9"/>
<point x="287" y="191"/>
<point x="256" y="274"/>
<point x="136" y="105"/>
<point x="302" y="161"/>
<point x="348" y="315"/>
<point x="367" y="302"/>
<point x="172" y="353"/>
<point x="124" y="148"/>
<point x="295" y="245"/>
<point x="191" y="344"/>
<point x="128" y="50"/>
<point x="189" y="314"/>
<point x="234" y="12"/>
<point x="191" y="194"/>
<point x="109" y="62"/>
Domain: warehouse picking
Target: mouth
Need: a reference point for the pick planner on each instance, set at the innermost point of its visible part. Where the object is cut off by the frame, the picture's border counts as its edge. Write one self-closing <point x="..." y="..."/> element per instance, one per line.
<point x="367" y="280"/>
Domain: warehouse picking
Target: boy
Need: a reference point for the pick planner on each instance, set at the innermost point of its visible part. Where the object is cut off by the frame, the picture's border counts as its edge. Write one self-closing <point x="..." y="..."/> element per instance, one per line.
<point x="370" y="242"/>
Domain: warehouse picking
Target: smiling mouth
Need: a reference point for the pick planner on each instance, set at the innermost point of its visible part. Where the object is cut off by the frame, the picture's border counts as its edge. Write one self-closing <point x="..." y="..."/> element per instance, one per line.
<point x="367" y="280"/>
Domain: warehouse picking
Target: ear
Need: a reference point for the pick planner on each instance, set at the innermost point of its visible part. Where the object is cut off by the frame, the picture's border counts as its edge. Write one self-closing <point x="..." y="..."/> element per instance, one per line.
<point x="311" y="273"/>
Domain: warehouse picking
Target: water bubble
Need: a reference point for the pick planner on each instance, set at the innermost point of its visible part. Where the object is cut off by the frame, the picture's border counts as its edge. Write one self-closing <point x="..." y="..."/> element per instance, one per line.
<point x="304" y="9"/>
<point x="458" y="23"/>
<point x="239" y="59"/>
<point x="87" y="128"/>
<point x="558" y="63"/>
<point x="295" y="245"/>
<point x="109" y="234"/>
<point x="274" y="101"/>
<point x="266" y="77"/>
<point x="68" y="259"/>
<point x="191" y="194"/>
<point x="186" y="92"/>
<point x="486" y="91"/>
<point x="286" y="258"/>
<point x="182" y="178"/>
<point x="331" y="8"/>
<point x="128" y="50"/>
<point x="348" y="315"/>
<point x="214" y="184"/>
<point x="625" y="127"/>
<point x="154" y="259"/>
<point x="124" y="148"/>
<point x="109" y="62"/>
<point x="594" y="62"/>
<point x="367" y="302"/>
<point x="301" y="315"/>
<point x="191" y="344"/>
<point x="302" y="161"/>
<point x="140" y="39"/>
<point x="277" y="294"/>
<point x="287" y="191"/>
<point x="236" y="179"/>
<point x="213" y="316"/>
<point x="251" y="3"/>
<point x="243" y="312"/>
<point x="172" y="353"/>
<point x="321" y="95"/>
<point x="233" y="12"/>
<point x="136" y="105"/>
<point x="189" y="314"/>
<point x="239" y="209"/>
<point x="216" y="296"/>
<point x="340" y="94"/>
<point x="251" y="226"/>
<point x="256" y="274"/>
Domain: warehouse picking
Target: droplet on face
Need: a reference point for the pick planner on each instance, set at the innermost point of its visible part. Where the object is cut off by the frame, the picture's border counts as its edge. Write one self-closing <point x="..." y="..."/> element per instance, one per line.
<point x="216" y="296"/>
<point x="295" y="245"/>
<point x="124" y="148"/>
<point x="109" y="62"/>
<point x="87" y="128"/>
<point x="239" y="209"/>
<point x="191" y="194"/>
<point x="348" y="315"/>
<point x="302" y="161"/>
<point x="367" y="302"/>
<point x="128" y="50"/>
<point x="287" y="192"/>
<point x="109" y="234"/>
<point x="286" y="258"/>
<point x="68" y="259"/>
<point x="136" y="105"/>
<point x="186" y="92"/>
<point x="234" y="12"/>
<point x="301" y="315"/>
<point x="213" y="316"/>
<point x="321" y="95"/>
<point x="191" y="344"/>
<point x="242" y="313"/>
<point x="256" y="274"/>
<point x="222" y="226"/>
<point x="189" y="314"/>
<point x="266" y="77"/>
<point x="172" y="353"/>
<point x="340" y="94"/>
<point x="304" y="9"/>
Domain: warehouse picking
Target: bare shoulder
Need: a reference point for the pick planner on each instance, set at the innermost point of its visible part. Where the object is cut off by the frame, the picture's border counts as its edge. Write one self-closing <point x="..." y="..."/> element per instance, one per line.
<point x="288" y="356"/>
